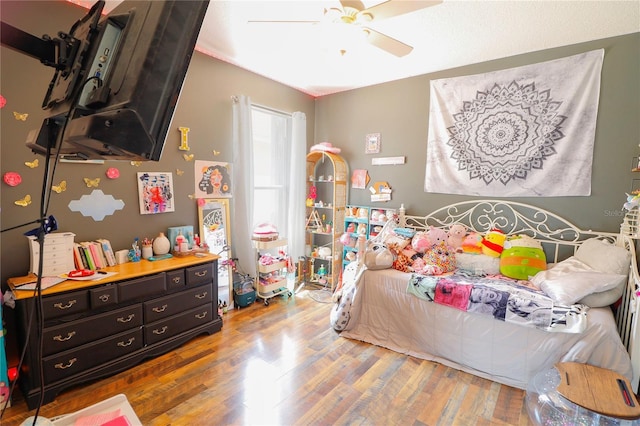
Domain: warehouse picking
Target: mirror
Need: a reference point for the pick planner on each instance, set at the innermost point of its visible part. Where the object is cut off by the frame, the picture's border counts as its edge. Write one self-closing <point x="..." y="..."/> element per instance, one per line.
<point x="215" y="230"/>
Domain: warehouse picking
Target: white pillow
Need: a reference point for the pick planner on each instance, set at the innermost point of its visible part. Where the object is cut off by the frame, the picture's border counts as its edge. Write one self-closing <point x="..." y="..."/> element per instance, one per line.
<point x="604" y="298"/>
<point x="571" y="280"/>
<point x="604" y="257"/>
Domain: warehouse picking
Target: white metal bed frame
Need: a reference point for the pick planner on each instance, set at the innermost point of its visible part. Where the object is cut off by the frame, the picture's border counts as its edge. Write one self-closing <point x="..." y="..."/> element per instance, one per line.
<point x="560" y="239"/>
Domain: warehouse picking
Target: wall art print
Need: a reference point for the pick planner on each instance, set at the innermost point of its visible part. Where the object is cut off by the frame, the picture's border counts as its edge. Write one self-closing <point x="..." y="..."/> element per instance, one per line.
<point x="212" y="179"/>
<point x="155" y="192"/>
<point x="525" y="131"/>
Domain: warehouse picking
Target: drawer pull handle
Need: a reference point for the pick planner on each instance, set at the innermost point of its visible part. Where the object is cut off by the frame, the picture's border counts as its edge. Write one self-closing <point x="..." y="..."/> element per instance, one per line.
<point x="160" y="331"/>
<point x="61" y="366"/>
<point x="127" y="319"/>
<point x="176" y="280"/>
<point x="125" y="344"/>
<point x="159" y="308"/>
<point x="63" y="339"/>
<point x="201" y="274"/>
<point x="67" y="306"/>
<point x="202" y="315"/>
<point x="201" y="295"/>
<point x="104" y="298"/>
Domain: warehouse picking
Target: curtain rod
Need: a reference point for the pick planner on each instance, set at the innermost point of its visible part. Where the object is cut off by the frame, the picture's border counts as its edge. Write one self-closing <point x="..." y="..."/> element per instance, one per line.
<point x="234" y="98"/>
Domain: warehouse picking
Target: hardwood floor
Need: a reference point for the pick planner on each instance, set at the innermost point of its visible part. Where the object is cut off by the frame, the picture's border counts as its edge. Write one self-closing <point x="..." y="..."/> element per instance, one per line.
<point x="283" y="365"/>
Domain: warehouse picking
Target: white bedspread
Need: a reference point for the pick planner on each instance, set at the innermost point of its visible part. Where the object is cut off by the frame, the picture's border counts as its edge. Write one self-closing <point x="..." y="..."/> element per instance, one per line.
<point x="384" y="314"/>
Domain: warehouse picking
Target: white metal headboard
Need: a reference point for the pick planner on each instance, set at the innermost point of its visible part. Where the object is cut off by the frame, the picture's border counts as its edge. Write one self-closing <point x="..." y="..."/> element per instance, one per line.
<point x="559" y="238"/>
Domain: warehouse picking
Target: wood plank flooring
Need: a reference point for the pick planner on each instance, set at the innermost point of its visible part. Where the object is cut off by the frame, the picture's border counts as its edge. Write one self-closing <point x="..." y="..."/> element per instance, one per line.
<point x="282" y="364"/>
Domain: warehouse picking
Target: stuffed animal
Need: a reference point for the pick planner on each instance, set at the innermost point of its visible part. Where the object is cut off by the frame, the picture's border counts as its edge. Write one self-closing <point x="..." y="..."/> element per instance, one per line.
<point x="522" y="257"/>
<point x="472" y="243"/>
<point x="420" y="242"/>
<point x="632" y="201"/>
<point x="377" y="256"/>
<point x="438" y="260"/>
<point x="405" y="259"/>
<point x="437" y="236"/>
<point x="457" y="232"/>
<point x="362" y="228"/>
<point x="493" y="243"/>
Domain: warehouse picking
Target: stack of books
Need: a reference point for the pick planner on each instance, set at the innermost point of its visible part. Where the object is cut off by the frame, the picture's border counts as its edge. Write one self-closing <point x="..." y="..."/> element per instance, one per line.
<point x="93" y="255"/>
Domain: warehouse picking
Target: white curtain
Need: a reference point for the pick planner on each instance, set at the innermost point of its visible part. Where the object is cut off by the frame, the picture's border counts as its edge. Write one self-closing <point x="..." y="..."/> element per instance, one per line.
<point x="297" y="185"/>
<point x="242" y="220"/>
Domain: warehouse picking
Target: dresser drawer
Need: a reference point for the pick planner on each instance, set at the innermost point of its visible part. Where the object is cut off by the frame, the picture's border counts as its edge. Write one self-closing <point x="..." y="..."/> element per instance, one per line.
<point x="200" y="274"/>
<point x="178" y="302"/>
<point x="65" y="304"/>
<point x="176" y="279"/>
<point x="142" y="287"/>
<point x="79" y="332"/>
<point x="103" y="296"/>
<point x="177" y="324"/>
<point x="74" y="361"/>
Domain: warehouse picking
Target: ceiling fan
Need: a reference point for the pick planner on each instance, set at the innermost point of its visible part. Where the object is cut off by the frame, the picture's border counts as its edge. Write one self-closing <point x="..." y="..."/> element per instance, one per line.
<point x="353" y="14"/>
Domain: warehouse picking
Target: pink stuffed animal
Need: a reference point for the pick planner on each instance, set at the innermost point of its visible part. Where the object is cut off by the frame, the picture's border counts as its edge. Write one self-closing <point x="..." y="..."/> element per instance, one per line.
<point x="420" y="242"/>
<point x="437" y="236"/>
<point x="457" y="232"/>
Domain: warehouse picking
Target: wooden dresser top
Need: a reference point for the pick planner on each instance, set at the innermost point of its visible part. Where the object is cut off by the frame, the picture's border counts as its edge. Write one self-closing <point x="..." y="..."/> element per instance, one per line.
<point x="123" y="272"/>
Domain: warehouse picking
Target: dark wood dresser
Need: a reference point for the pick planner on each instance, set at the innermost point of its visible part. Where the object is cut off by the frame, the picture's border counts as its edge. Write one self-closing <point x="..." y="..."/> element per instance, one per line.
<point x="97" y="328"/>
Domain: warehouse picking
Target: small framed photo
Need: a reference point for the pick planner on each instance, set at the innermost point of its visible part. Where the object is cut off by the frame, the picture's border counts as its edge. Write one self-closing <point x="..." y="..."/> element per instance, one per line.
<point x="372" y="143"/>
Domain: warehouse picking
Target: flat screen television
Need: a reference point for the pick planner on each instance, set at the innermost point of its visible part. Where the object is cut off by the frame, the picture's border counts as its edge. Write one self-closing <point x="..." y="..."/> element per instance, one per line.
<point x="116" y="98"/>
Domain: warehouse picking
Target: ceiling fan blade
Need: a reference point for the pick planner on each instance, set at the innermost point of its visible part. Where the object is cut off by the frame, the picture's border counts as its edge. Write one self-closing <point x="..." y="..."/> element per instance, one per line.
<point x="389" y="44"/>
<point x="391" y="8"/>
<point x="354" y="4"/>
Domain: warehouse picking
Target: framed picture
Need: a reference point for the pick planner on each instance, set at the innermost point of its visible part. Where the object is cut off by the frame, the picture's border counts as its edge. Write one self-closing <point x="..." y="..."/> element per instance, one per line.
<point x="155" y="192"/>
<point x="212" y="179"/>
<point x="372" y="143"/>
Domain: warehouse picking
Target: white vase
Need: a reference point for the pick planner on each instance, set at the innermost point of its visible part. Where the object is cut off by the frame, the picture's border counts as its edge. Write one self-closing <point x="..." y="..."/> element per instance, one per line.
<point x="161" y="245"/>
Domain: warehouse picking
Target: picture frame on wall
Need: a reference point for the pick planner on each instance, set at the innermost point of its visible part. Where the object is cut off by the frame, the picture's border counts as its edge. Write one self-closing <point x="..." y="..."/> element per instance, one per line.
<point x="372" y="145"/>
<point x="155" y="192"/>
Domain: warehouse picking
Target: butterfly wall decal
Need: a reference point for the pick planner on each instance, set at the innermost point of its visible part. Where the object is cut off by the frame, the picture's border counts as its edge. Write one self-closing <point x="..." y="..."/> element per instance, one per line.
<point x="187" y="157"/>
<point x="20" y="116"/>
<point x="31" y="164"/>
<point x="92" y="182"/>
<point x="136" y="163"/>
<point x="179" y="172"/>
<point x="216" y="152"/>
<point x="192" y="196"/>
<point x="61" y="187"/>
<point x="24" y="202"/>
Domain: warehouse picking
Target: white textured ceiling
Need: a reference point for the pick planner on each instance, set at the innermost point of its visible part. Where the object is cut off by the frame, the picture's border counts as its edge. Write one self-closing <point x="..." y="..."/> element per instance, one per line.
<point x="450" y="34"/>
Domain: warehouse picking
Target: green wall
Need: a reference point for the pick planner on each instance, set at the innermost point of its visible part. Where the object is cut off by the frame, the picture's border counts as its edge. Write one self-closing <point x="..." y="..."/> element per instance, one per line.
<point x="400" y="112"/>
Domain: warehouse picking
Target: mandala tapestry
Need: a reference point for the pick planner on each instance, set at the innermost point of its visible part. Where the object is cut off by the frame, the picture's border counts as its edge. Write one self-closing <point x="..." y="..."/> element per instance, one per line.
<point x="526" y="131"/>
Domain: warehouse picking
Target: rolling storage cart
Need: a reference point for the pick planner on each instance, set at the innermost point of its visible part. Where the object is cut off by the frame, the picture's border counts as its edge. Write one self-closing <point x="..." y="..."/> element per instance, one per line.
<point x="271" y="279"/>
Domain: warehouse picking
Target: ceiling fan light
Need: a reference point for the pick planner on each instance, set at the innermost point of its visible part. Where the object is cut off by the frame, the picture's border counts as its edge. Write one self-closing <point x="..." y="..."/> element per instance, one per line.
<point x="364" y="18"/>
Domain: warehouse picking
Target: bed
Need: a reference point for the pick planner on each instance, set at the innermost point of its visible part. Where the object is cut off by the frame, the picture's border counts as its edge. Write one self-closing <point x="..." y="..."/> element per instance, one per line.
<point x="376" y="306"/>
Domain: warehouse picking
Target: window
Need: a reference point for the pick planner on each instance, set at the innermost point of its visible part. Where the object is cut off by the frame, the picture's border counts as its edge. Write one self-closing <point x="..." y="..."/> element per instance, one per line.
<point x="271" y="158"/>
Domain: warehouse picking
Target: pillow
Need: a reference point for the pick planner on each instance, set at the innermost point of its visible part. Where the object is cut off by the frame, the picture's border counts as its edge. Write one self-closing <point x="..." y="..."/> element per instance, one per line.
<point x="604" y="298"/>
<point x="604" y="257"/>
<point x="478" y="264"/>
<point x="571" y="280"/>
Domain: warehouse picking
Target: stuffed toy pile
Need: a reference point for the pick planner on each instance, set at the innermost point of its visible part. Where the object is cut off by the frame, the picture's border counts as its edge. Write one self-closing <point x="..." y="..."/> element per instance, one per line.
<point x="437" y="251"/>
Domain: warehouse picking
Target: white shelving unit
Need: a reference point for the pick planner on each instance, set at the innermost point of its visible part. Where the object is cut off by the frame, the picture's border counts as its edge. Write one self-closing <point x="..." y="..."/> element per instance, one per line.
<point x="271" y="280"/>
